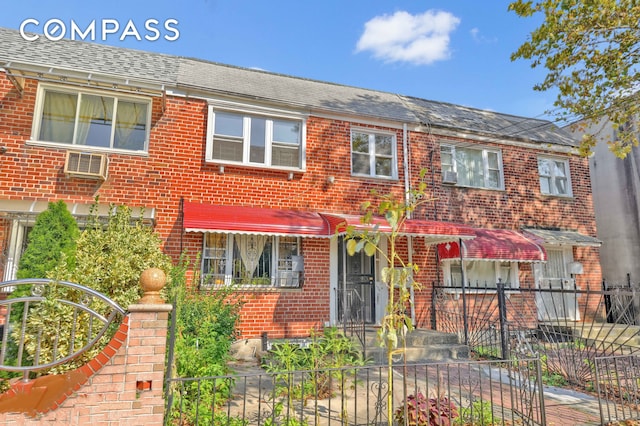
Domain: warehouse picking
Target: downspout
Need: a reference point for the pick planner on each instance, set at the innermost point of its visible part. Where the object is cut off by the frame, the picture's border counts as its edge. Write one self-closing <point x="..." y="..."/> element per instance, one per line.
<point x="407" y="200"/>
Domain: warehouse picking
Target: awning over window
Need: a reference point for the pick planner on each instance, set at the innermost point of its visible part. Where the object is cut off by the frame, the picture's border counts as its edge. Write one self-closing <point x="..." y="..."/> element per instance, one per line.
<point x="495" y="245"/>
<point x="433" y="231"/>
<point x="558" y="237"/>
<point x="253" y="220"/>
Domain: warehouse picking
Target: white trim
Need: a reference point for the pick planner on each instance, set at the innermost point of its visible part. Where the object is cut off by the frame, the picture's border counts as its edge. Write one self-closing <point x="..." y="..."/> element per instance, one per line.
<point x="372" y="133"/>
<point x="552" y="177"/>
<point x="269" y="115"/>
<point x="484" y="150"/>
<point x="61" y="88"/>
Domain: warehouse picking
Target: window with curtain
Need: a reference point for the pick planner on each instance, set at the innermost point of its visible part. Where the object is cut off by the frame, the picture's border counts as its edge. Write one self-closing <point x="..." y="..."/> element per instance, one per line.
<point x="251" y="260"/>
<point x="554" y="176"/>
<point x="373" y="154"/>
<point x="92" y="119"/>
<point x="475" y="167"/>
<point x="481" y="274"/>
<point x="255" y="139"/>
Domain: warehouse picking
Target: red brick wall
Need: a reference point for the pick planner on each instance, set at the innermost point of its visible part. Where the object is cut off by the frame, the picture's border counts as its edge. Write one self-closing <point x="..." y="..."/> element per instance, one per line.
<point x="175" y="169"/>
<point x="110" y="395"/>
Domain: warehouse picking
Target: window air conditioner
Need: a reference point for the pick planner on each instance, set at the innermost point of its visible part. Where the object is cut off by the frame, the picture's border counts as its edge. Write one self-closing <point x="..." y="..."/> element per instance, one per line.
<point x="450" y="178"/>
<point x="86" y="165"/>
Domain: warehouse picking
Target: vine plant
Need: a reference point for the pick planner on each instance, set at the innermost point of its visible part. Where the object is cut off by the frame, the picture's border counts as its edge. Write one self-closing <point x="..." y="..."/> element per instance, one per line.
<point x="397" y="275"/>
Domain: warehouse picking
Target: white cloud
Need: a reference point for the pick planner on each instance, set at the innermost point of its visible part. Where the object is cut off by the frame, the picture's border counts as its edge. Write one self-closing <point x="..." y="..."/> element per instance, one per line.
<point x="479" y="38"/>
<point x="418" y="39"/>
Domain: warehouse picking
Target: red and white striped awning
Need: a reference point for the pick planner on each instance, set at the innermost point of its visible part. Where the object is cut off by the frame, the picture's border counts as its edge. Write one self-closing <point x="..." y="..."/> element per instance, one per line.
<point x="494" y="245"/>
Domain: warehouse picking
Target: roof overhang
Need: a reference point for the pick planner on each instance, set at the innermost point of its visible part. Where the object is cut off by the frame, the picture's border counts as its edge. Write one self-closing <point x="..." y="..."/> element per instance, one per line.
<point x="17" y="71"/>
<point x="25" y="208"/>
<point x="562" y="237"/>
<point x="494" y="245"/>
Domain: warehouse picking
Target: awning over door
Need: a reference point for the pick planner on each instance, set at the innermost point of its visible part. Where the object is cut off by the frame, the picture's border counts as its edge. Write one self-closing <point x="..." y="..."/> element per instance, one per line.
<point x="433" y="231"/>
<point x="559" y="237"/>
<point x="495" y="245"/>
<point x="253" y="220"/>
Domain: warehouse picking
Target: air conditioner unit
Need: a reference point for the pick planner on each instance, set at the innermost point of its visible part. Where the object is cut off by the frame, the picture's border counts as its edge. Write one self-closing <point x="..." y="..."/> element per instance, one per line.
<point x="450" y="178"/>
<point x="86" y="165"/>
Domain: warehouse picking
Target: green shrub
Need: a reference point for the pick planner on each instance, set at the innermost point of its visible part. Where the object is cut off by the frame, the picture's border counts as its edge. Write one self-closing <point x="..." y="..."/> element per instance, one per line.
<point x="206" y="325"/>
<point x="53" y="237"/>
<point x="479" y="413"/>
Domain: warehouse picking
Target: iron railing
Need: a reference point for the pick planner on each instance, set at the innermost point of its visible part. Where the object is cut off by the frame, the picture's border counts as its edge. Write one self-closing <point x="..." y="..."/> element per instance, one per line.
<point x="617" y="383"/>
<point x="47" y="323"/>
<point x="567" y="327"/>
<point x="486" y="392"/>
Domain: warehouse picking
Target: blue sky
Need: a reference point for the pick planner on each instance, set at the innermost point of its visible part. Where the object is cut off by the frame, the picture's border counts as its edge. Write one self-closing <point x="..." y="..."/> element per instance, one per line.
<point x="450" y="51"/>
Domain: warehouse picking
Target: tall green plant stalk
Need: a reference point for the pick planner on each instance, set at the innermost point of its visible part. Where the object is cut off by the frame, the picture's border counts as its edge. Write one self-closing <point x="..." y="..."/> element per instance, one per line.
<point x="397" y="275"/>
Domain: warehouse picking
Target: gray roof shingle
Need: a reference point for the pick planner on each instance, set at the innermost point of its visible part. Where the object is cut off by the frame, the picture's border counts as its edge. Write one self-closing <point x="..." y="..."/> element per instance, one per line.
<point x="187" y="73"/>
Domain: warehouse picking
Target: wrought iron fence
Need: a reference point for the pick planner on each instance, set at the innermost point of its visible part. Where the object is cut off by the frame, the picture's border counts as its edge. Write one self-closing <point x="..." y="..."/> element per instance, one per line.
<point x="353" y="314"/>
<point x="486" y="392"/>
<point x="47" y="323"/>
<point x="566" y="327"/>
<point x="618" y="385"/>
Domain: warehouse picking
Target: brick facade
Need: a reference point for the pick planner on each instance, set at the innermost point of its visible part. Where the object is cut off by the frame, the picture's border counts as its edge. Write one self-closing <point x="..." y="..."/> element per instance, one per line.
<point x="175" y="170"/>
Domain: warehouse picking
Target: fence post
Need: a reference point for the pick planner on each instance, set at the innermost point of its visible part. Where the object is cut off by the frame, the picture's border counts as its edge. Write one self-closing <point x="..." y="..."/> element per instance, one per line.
<point x="433" y="308"/>
<point x="502" y="310"/>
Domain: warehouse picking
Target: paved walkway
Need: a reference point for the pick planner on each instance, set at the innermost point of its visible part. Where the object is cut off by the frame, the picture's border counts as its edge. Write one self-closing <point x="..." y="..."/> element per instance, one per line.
<point x="358" y="404"/>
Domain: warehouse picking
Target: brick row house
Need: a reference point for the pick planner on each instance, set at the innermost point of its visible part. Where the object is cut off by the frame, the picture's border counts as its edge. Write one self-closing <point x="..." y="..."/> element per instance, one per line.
<point x="260" y="172"/>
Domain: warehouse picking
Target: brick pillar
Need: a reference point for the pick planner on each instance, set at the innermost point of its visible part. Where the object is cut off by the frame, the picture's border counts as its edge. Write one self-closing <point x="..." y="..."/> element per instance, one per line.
<point x="123" y="385"/>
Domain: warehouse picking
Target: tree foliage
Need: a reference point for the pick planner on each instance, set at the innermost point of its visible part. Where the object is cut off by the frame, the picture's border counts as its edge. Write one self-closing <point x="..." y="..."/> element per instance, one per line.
<point x="53" y="237"/>
<point x="398" y="272"/>
<point x="590" y="50"/>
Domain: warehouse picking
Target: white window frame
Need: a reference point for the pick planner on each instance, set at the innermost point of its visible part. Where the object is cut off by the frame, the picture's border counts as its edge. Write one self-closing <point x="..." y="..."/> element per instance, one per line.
<point x="247" y="113"/>
<point x="277" y="276"/>
<point x="453" y="167"/>
<point x="552" y="177"/>
<point x="497" y="265"/>
<point x="373" y="155"/>
<point x="39" y="109"/>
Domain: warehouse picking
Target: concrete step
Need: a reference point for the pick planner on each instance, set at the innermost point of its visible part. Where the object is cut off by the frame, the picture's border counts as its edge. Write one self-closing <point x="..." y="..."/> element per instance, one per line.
<point x="429" y="353"/>
<point x="421" y="346"/>
<point x="621" y="334"/>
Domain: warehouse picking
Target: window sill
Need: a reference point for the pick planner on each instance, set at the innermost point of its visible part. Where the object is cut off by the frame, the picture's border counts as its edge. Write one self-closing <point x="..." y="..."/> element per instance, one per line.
<point x="565" y="197"/>
<point x="85" y="148"/>
<point x="387" y="178"/>
<point x="479" y="188"/>
<point x="223" y="163"/>
<point x="249" y="287"/>
<point x="479" y="291"/>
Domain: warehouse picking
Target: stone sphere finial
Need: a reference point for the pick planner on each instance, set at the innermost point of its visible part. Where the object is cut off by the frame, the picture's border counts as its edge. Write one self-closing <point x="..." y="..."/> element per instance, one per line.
<point x="152" y="280"/>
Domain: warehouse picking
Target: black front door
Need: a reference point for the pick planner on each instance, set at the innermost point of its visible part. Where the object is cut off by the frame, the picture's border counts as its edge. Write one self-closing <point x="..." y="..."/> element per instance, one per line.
<point x="356" y="286"/>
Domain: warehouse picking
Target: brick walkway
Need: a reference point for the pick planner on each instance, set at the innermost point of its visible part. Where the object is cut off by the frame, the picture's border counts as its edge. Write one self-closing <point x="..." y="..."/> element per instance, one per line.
<point x="562" y="407"/>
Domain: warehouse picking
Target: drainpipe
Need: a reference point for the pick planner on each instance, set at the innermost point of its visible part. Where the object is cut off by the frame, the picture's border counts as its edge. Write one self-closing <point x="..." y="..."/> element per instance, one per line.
<point x="407" y="188"/>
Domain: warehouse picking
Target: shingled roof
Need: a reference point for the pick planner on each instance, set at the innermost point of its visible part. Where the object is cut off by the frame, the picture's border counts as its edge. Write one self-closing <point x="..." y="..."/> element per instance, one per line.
<point x="183" y="73"/>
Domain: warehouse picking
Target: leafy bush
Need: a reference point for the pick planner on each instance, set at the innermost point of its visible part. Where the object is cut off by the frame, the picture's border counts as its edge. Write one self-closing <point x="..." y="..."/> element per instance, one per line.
<point x="418" y="410"/>
<point x="325" y="355"/>
<point x="479" y="413"/>
<point x="206" y="325"/>
<point x="107" y="257"/>
<point x="111" y="257"/>
<point x="53" y="237"/>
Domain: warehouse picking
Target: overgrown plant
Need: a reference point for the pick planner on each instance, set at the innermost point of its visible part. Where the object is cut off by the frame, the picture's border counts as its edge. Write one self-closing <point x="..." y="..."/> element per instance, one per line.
<point x="206" y="325"/>
<point x="108" y="256"/>
<point x="478" y="413"/>
<point x="397" y="275"/>
<point x="323" y="358"/>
